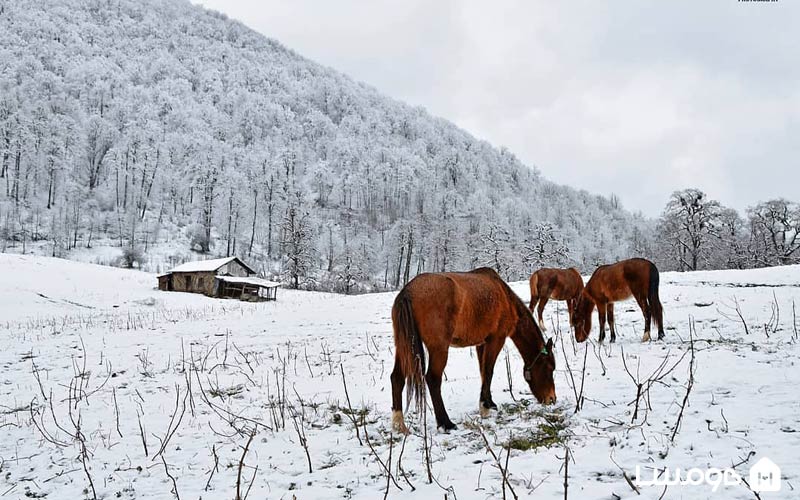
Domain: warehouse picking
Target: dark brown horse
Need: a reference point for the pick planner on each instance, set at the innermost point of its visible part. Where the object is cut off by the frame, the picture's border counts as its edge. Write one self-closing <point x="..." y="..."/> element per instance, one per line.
<point x="556" y="284"/>
<point x="475" y="308"/>
<point x="615" y="282"/>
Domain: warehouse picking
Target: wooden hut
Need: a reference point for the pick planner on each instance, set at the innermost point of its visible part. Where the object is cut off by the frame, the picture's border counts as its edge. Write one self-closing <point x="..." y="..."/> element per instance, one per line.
<point x="227" y="277"/>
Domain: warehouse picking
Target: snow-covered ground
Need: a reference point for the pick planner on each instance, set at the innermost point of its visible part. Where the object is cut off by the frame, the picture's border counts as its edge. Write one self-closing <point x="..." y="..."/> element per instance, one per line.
<point x="145" y="392"/>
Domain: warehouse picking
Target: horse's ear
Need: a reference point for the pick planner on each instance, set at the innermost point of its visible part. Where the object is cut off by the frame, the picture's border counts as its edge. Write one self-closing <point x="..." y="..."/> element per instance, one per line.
<point x="550" y="344"/>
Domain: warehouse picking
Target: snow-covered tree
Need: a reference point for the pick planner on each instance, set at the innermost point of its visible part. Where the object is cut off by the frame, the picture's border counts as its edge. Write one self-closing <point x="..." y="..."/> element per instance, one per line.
<point x="297" y="242"/>
<point x="544" y="248"/>
<point x="775" y="232"/>
<point x="688" y="224"/>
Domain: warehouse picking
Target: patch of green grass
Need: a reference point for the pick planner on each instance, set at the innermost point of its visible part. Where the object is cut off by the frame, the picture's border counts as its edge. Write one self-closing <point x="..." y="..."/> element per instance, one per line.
<point x="221" y="392"/>
<point x="517" y="407"/>
<point x="545" y="437"/>
<point x="529" y="409"/>
<point x="358" y="413"/>
<point x="548" y="434"/>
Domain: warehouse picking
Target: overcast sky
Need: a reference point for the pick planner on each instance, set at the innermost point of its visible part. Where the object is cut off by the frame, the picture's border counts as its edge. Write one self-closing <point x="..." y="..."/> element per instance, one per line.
<point x="637" y="98"/>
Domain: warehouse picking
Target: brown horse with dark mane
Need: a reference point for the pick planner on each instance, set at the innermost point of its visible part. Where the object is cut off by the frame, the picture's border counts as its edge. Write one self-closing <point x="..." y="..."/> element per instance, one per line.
<point x="613" y="283"/>
<point x="476" y="308"/>
<point x="556" y="284"/>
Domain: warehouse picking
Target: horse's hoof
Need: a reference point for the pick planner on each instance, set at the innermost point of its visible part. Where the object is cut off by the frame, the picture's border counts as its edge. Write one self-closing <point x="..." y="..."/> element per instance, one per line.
<point x="646" y="337"/>
<point x="447" y="426"/>
<point x="398" y="423"/>
<point x="489" y="404"/>
<point x="661" y="336"/>
<point x="484" y="407"/>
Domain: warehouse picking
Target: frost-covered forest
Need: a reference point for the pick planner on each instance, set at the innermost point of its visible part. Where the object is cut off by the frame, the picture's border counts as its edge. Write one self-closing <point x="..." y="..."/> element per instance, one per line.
<point x="168" y="131"/>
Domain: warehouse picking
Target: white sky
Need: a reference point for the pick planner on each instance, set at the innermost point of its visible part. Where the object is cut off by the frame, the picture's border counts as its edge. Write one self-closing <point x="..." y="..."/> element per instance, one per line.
<point x="633" y="97"/>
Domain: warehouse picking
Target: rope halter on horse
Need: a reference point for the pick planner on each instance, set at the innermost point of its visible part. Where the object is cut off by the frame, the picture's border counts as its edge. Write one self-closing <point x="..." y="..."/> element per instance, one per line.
<point x="526" y="371"/>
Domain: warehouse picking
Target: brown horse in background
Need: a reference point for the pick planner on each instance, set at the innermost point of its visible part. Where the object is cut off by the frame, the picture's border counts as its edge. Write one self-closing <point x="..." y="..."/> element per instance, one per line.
<point x="556" y="284"/>
<point x="612" y="283"/>
<point x="476" y="308"/>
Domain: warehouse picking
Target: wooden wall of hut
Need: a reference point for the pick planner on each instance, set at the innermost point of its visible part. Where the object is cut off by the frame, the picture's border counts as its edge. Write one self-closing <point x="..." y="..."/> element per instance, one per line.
<point x="198" y="282"/>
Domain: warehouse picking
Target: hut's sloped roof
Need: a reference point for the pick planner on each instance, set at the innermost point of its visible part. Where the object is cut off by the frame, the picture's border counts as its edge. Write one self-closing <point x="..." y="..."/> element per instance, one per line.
<point x="206" y="265"/>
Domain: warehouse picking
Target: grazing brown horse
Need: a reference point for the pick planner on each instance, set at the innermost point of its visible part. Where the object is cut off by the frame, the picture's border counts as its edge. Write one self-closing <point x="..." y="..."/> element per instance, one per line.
<point x="615" y="282"/>
<point x="475" y="308"/>
<point x="556" y="284"/>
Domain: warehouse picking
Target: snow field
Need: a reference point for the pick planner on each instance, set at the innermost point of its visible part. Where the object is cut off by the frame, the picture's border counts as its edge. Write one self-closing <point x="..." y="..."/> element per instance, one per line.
<point x="96" y="363"/>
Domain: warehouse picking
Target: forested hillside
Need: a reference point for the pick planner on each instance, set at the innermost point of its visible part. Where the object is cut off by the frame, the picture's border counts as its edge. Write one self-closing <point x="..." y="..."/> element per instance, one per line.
<point x="153" y="125"/>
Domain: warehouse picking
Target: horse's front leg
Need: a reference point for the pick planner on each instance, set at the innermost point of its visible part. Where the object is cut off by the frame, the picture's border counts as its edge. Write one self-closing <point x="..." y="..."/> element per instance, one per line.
<point x="611" y="325"/>
<point x="479" y="350"/>
<point x="489" y="352"/>
<point x="601" y="317"/>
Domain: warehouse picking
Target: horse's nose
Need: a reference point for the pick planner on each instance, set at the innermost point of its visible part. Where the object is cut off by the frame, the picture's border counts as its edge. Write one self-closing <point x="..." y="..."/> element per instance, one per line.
<point x="552" y="400"/>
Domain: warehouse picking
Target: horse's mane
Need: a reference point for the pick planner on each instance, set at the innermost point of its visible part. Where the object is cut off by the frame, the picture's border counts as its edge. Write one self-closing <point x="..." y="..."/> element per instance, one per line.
<point x="604" y="266"/>
<point x="487" y="271"/>
<point x="522" y="310"/>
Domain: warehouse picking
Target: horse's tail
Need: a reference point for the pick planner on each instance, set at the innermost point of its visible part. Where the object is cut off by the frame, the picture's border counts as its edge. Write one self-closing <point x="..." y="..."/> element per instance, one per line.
<point x="534" y="291"/>
<point x="409" y="350"/>
<point x="655" y="303"/>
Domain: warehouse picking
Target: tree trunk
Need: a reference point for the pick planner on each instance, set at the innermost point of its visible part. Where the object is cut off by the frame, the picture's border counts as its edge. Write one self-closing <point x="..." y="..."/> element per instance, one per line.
<point x="235" y="231"/>
<point x="399" y="267"/>
<point x="208" y="208"/>
<point x="91" y="232"/>
<point x="255" y="214"/>
<point x="270" y="208"/>
<point x="50" y="189"/>
<point x="330" y="249"/>
<point x="125" y="186"/>
<point x="15" y="189"/>
<point x="146" y="200"/>
<point x="408" y="256"/>
<point x="230" y="223"/>
<point x="6" y="149"/>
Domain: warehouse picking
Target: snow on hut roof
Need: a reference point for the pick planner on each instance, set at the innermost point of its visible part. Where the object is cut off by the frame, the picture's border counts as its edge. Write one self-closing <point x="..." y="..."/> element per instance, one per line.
<point x="206" y="265"/>
<point x="250" y="281"/>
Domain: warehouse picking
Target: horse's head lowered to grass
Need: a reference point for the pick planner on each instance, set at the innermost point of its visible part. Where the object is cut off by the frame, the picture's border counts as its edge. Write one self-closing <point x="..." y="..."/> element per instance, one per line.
<point x="637" y="278"/>
<point x="538" y="373"/>
<point x="582" y="317"/>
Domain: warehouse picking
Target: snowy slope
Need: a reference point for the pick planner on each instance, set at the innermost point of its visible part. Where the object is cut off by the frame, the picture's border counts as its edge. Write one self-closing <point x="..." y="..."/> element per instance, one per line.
<point x="193" y="89"/>
<point x="43" y="287"/>
<point x="135" y="354"/>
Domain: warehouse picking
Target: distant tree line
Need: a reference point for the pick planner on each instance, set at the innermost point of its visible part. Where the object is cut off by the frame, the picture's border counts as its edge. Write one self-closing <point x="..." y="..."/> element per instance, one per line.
<point x="696" y="232"/>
